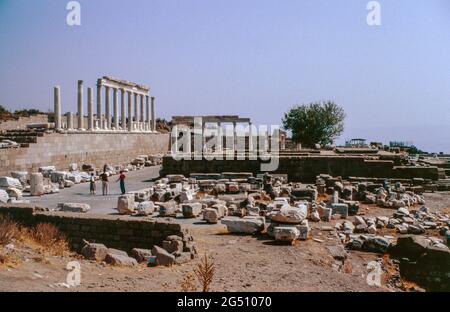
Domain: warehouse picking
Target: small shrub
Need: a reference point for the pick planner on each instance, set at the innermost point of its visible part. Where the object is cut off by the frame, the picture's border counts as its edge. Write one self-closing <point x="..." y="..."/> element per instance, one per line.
<point x="49" y="236"/>
<point x="9" y="230"/>
<point x="205" y="272"/>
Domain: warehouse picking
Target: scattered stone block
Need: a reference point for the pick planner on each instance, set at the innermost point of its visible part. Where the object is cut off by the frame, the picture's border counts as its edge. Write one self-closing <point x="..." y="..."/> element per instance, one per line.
<point x="94" y="251"/>
<point x="162" y="256"/>
<point x="246" y="225"/>
<point x="125" y="204"/>
<point x="286" y="233"/>
<point x="141" y="255"/>
<point x="191" y="210"/>
<point x="75" y="207"/>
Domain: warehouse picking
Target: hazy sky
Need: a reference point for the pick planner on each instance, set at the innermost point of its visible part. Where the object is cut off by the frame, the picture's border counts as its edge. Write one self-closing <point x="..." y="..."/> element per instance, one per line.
<point x="255" y="58"/>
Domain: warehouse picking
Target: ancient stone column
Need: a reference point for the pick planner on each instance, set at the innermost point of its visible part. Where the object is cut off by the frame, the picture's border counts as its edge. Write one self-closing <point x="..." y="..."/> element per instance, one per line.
<point x="90" y="109"/>
<point x="99" y="103"/>
<point x="36" y="184"/>
<point x="69" y="118"/>
<point x="141" y="114"/>
<point x="80" y="105"/>
<point x="135" y="109"/>
<point x="130" y="111"/>
<point x="147" y="113"/>
<point x="153" y="114"/>
<point x="250" y="137"/>
<point x="234" y="138"/>
<point x="107" y="108"/>
<point x="57" y="108"/>
<point x="116" y="109"/>
<point x="123" y="114"/>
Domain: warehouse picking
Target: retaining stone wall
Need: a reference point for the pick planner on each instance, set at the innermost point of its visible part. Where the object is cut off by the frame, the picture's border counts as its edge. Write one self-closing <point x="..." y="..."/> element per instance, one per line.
<point x="121" y="232"/>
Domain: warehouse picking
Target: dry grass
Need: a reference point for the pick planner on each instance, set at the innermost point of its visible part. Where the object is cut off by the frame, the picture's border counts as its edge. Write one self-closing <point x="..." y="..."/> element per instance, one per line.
<point x="189" y="283"/>
<point x="9" y="230"/>
<point x="49" y="237"/>
<point x="205" y="272"/>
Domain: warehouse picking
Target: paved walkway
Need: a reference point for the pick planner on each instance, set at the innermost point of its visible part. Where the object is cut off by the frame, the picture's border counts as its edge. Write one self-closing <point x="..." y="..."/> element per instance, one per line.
<point x="79" y="193"/>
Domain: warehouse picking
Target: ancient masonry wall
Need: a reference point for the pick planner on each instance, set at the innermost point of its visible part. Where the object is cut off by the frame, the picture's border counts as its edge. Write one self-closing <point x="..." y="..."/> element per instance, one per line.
<point x="62" y="149"/>
<point x="121" y="232"/>
<point x="22" y="122"/>
<point x="306" y="168"/>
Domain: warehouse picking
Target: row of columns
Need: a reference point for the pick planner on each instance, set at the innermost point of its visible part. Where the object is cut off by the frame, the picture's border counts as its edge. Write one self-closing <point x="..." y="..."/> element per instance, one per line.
<point x="136" y="119"/>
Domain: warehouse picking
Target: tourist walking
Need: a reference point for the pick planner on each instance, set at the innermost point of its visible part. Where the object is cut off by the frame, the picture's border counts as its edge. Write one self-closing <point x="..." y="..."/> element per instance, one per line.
<point x="104" y="178"/>
<point x="121" y="179"/>
<point x="92" y="184"/>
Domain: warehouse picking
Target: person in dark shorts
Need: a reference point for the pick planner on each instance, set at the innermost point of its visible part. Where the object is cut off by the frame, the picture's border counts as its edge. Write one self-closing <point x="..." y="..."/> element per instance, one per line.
<point x="121" y="179"/>
<point x="92" y="184"/>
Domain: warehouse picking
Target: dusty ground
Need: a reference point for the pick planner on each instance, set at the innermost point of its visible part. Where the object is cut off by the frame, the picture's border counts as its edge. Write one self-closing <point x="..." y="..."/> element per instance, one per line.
<point x="243" y="263"/>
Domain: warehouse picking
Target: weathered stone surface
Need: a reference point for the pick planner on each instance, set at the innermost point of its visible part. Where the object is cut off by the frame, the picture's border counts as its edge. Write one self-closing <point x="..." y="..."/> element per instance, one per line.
<point x="172" y="246"/>
<point x="191" y="210"/>
<point x="94" y="251"/>
<point x="410" y="246"/>
<point x="341" y="209"/>
<point x="36" y="184"/>
<point x="3" y="196"/>
<point x="145" y="208"/>
<point x="75" y="207"/>
<point x="167" y="209"/>
<point x="141" y="255"/>
<point x="120" y="259"/>
<point x="211" y="215"/>
<point x="289" y="215"/>
<point x="285" y="233"/>
<point x="162" y="256"/>
<point x="8" y="182"/>
<point x="376" y="244"/>
<point x="125" y="204"/>
<point x="183" y="257"/>
<point x="246" y="225"/>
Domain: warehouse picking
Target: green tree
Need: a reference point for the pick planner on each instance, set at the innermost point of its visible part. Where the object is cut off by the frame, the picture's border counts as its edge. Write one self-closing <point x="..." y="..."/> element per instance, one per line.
<point x="3" y="110"/>
<point x="315" y="123"/>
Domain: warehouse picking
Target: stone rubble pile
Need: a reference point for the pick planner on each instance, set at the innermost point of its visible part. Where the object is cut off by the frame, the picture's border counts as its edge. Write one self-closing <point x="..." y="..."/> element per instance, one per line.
<point x="175" y="250"/>
<point x="285" y="211"/>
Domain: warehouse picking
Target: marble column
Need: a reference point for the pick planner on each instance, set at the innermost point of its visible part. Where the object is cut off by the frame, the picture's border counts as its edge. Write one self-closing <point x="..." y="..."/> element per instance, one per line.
<point x="107" y="108"/>
<point x="250" y="137"/>
<point x="234" y="138"/>
<point x="90" y="109"/>
<point x="116" y="109"/>
<point x="99" y="103"/>
<point x="141" y="113"/>
<point x="57" y="108"/>
<point x="153" y="114"/>
<point x="69" y="119"/>
<point x="130" y="111"/>
<point x="147" y="113"/>
<point x="80" y="105"/>
<point x="135" y="111"/>
<point x="123" y="114"/>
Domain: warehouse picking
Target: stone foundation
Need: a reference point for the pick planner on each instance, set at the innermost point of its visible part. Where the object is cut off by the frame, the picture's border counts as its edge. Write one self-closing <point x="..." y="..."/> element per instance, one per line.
<point x="121" y="232"/>
<point x="305" y="168"/>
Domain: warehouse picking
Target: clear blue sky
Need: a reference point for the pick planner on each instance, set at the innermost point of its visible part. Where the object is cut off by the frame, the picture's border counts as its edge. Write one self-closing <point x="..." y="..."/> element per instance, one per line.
<point x="255" y="58"/>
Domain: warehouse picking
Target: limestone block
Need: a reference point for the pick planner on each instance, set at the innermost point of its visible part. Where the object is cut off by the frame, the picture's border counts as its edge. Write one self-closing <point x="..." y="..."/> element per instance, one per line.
<point x="125" y="204"/>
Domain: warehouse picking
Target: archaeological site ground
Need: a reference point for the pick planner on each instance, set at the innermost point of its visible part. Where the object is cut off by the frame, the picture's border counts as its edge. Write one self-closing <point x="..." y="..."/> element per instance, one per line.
<point x="126" y="181"/>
